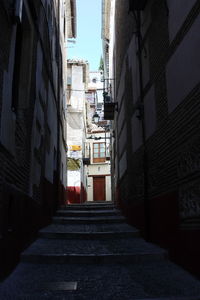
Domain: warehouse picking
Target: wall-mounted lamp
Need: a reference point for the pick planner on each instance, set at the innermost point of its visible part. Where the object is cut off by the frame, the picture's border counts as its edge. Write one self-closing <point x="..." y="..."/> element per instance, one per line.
<point x="96" y="118"/>
<point x="109" y="107"/>
<point x="106" y="97"/>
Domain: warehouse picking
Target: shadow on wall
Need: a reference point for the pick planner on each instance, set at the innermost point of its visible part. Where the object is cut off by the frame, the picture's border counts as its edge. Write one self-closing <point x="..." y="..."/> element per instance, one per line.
<point x="166" y="230"/>
<point x="21" y="217"/>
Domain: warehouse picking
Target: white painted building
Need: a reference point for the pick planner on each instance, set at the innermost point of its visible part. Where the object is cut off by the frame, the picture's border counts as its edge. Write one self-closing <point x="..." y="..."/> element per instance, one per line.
<point x="97" y="145"/>
<point x="98" y="171"/>
<point x="77" y="80"/>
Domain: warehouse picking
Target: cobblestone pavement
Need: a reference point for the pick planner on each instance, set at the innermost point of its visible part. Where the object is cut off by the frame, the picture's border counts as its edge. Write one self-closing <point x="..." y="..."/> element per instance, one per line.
<point x="107" y="261"/>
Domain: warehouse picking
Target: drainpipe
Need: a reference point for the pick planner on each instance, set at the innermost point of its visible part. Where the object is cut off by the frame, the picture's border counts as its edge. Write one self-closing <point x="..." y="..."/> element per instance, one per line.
<point x="58" y="112"/>
<point x="141" y="109"/>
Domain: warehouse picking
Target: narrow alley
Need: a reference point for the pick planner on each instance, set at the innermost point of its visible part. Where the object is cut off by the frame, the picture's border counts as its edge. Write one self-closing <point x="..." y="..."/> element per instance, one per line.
<point x="100" y="149"/>
<point x="89" y="252"/>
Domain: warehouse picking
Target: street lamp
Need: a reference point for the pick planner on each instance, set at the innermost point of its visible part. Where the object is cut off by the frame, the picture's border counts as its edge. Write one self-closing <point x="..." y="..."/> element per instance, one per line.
<point x="96" y="118"/>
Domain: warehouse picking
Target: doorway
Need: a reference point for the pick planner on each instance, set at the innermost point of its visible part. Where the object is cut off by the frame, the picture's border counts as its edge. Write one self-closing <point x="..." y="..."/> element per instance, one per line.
<point x="99" y="188"/>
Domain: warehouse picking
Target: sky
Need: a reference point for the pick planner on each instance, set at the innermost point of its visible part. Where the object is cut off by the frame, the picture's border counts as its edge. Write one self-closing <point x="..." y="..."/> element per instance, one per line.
<point x="88" y="44"/>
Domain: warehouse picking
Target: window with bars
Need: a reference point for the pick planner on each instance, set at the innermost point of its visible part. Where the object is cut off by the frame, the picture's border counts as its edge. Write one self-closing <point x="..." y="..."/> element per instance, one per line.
<point x="99" y="153"/>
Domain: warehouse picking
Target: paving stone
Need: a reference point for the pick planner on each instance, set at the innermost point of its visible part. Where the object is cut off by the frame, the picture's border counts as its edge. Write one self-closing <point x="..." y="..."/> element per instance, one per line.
<point x="107" y="282"/>
<point x="132" y="246"/>
<point x="118" y="227"/>
<point x="89" y="231"/>
<point x="91" y="205"/>
<point x="119" y="265"/>
<point x="89" y="220"/>
<point x="87" y="235"/>
<point x="86" y="213"/>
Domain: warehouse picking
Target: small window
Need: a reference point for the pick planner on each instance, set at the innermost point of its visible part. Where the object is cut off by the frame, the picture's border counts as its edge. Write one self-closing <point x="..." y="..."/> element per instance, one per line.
<point x="99" y="153"/>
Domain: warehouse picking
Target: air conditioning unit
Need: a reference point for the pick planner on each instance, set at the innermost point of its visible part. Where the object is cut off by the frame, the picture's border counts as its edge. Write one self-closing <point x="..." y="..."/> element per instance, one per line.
<point x="137" y="4"/>
<point x="18" y="11"/>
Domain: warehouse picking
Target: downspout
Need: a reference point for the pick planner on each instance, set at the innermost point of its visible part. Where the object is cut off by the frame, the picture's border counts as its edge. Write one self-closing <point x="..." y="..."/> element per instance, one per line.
<point x="58" y="111"/>
<point x="141" y="109"/>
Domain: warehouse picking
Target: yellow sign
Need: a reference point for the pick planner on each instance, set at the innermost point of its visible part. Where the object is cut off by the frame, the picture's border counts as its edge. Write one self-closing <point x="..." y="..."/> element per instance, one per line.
<point x="75" y="148"/>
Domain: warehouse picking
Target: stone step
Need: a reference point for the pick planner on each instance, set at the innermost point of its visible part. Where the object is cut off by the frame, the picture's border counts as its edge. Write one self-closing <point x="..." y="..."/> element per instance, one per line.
<point x="159" y="280"/>
<point x="91" y="258"/>
<point x="171" y="298"/>
<point x="88" y="213"/>
<point x="89" y="206"/>
<point x="92" y="251"/>
<point x="93" y="228"/>
<point x="93" y="203"/>
<point x="89" y="220"/>
<point x="91" y="231"/>
<point x="87" y="235"/>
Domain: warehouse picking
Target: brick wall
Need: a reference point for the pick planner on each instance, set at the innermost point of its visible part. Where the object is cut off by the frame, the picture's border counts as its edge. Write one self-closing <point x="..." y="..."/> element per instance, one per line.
<point x="30" y="178"/>
<point x="171" y="118"/>
<point x="5" y="44"/>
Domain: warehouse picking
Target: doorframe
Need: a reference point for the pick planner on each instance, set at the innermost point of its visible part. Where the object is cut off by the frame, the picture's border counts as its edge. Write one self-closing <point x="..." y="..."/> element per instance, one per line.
<point x="100" y="176"/>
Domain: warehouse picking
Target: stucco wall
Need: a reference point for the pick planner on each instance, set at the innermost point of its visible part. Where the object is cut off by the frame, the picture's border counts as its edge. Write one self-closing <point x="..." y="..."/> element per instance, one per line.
<point x="99" y="169"/>
<point x="170" y="94"/>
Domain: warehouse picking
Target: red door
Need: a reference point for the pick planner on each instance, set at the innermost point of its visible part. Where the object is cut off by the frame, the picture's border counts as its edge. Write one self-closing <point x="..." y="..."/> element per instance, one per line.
<point x="99" y="188"/>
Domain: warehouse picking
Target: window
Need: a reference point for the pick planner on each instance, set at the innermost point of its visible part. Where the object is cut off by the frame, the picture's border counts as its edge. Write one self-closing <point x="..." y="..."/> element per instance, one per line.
<point x="22" y="74"/>
<point x="94" y="80"/>
<point x="17" y="64"/>
<point x="99" y="154"/>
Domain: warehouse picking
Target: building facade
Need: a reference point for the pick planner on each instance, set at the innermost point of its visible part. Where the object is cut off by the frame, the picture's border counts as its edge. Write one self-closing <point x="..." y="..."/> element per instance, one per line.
<point x="155" y="62"/>
<point x="77" y="81"/>
<point x="32" y="116"/>
<point x="97" y="144"/>
<point x="98" y="170"/>
<point x="88" y="169"/>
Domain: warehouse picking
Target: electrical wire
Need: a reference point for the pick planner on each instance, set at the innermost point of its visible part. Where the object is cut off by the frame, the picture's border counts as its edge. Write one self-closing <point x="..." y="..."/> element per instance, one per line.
<point x="74" y="90"/>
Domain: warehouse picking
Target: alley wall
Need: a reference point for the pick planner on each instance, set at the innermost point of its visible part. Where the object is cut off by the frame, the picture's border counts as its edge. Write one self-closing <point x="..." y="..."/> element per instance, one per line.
<point x="32" y="120"/>
<point x="157" y="124"/>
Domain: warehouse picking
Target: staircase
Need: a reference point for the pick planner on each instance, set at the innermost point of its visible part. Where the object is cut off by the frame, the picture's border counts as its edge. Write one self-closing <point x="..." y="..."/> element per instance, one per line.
<point x="89" y="252"/>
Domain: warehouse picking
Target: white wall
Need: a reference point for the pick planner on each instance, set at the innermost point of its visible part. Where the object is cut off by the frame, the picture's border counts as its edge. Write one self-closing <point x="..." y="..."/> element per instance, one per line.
<point x="75" y="116"/>
<point x="90" y="188"/>
<point x="78" y="88"/>
<point x="99" y="169"/>
<point x="96" y="86"/>
<point x="108" y="188"/>
<point x="74" y="178"/>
